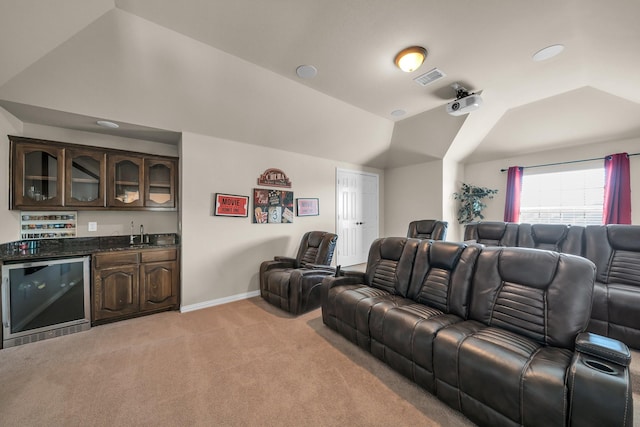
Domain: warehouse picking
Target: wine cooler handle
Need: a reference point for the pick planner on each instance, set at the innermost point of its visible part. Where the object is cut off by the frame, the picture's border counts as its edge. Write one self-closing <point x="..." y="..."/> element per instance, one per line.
<point x="5" y="317"/>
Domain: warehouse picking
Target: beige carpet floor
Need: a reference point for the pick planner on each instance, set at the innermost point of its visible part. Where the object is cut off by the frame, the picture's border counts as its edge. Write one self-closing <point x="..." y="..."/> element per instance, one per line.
<point x="240" y="364"/>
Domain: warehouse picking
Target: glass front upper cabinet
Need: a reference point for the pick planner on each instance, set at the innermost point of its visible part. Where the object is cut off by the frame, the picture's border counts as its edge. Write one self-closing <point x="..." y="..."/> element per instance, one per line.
<point x="47" y="175"/>
<point x="160" y="183"/>
<point x="38" y="178"/>
<point x="85" y="178"/>
<point x="126" y="181"/>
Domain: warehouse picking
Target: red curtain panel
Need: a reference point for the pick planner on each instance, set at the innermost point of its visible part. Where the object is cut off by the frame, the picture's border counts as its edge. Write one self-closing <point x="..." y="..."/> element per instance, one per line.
<point x="514" y="189"/>
<point x="617" y="190"/>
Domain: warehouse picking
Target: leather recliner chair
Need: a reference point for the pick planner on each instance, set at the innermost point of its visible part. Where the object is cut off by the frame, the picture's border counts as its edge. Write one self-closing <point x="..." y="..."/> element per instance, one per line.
<point x="292" y="284"/>
<point x="568" y="239"/>
<point x="347" y="303"/>
<point x="615" y="250"/>
<point x="492" y="233"/>
<point x="521" y="358"/>
<point x="428" y="229"/>
<point x="402" y="336"/>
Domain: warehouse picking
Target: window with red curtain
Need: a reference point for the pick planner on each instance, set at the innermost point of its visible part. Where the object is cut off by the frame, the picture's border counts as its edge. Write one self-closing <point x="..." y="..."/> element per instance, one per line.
<point x="563" y="197"/>
<point x="617" y="190"/>
<point x="514" y="190"/>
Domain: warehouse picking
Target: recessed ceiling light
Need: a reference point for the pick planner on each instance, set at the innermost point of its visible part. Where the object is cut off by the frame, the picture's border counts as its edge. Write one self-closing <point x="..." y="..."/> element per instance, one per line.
<point x="306" y="71"/>
<point x="107" y="124"/>
<point x="548" y="52"/>
<point x="398" y="113"/>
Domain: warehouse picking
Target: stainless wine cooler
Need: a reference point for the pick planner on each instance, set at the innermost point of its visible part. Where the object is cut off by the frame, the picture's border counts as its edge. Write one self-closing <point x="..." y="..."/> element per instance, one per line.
<point x="44" y="299"/>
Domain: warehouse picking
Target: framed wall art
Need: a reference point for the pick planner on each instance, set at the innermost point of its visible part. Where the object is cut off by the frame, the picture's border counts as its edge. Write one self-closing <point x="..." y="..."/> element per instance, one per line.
<point x="307" y="207"/>
<point x="272" y="206"/>
<point x="230" y="205"/>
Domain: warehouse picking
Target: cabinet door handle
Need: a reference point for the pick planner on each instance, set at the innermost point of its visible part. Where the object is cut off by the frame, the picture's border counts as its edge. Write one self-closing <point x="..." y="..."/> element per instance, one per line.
<point x="5" y="315"/>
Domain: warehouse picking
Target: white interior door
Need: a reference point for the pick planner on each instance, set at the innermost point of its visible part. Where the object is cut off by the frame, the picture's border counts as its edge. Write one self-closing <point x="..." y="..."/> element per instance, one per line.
<point x="356" y="215"/>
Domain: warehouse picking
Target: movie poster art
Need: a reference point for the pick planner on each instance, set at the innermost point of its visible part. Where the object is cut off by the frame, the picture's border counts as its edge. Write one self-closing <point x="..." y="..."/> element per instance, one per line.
<point x="272" y="206"/>
<point x="231" y="205"/>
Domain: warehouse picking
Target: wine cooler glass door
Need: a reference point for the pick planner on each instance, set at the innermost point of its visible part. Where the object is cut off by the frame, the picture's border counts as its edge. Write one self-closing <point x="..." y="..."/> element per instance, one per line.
<point x="42" y="295"/>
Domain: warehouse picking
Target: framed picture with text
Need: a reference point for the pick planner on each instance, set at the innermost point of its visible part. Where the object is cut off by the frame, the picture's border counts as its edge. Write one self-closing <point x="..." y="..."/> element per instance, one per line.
<point x="307" y="207"/>
<point x="230" y="205"/>
<point x="272" y="206"/>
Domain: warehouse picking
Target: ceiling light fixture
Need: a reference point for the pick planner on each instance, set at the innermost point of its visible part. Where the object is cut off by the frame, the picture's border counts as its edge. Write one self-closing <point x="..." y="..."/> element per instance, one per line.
<point x="411" y="58"/>
<point x="107" y="124"/>
<point x="548" y="52"/>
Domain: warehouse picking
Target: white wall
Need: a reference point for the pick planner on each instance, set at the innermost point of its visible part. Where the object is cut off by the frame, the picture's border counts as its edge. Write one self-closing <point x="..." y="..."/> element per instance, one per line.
<point x="423" y="191"/>
<point x="9" y="220"/>
<point x="452" y="173"/>
<point x="412" y="193"/>
<point x="487" y="174"/>
<point x="109" y="222"/>
<point x="221" y="255"/>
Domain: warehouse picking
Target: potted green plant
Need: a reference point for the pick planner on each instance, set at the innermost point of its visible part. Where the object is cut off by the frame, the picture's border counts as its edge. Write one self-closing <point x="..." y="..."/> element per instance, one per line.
<point x="471" y="204"/>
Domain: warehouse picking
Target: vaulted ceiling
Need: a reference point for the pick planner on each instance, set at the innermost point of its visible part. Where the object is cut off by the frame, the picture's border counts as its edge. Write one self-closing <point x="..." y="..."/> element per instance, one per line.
<point x="227" y="69"/>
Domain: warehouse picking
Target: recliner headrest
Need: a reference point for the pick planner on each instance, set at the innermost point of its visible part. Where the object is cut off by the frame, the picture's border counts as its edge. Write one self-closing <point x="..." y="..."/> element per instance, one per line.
<point x="491" y="230"/>
<point x="624" y="237"/>
<point x="549" y="233"/>
<point x="425" y="227"/>
<point x="391" y="248"/>
<point x="445" y="255"/>
<point x="315" y="238"/>
<point x="530" y="267"/>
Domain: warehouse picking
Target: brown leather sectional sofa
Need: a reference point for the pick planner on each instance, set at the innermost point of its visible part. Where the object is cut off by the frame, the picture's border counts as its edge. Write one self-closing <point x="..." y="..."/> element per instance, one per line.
<point x="495" y="332"/>
<point x="614" y="249"/>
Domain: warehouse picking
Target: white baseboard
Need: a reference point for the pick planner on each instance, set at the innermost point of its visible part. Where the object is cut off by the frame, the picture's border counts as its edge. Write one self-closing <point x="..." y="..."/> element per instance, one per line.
<point x="219" y="301"/>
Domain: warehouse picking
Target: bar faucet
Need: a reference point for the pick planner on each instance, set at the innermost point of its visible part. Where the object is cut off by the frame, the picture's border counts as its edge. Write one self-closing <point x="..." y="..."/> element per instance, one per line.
<point x="141" y="234"/>
<point x="131" y="236"/>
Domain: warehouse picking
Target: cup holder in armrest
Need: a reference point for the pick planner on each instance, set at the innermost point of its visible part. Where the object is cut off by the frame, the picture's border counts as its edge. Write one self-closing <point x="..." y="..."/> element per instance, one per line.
<point x="599" y="366"/>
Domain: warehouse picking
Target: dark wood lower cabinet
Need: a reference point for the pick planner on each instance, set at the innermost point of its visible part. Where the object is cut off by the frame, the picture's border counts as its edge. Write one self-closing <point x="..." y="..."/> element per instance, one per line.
<point x="132" y="283"/>
<point x="115" y="292"/>
<point x="159" y="285"/>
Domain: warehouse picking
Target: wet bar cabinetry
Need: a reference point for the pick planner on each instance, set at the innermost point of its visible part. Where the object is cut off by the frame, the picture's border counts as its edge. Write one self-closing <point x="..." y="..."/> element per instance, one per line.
<point x="46" y="294"/>
<point x="159" y="183"/>
<point x="54" y="175"/>
<point x="37" y="174"/>
<point x="85" y="175"/>
<point x="126" y="181"/>
<point x="134" y="282"/>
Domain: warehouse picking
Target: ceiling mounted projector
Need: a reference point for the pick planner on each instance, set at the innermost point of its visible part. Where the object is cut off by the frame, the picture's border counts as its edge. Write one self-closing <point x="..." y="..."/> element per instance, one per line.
<point x="464" y="103"/>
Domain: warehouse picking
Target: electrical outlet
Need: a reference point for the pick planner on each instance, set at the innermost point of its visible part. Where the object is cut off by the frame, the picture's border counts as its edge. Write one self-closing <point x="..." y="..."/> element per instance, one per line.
<point x="93" y="226"/>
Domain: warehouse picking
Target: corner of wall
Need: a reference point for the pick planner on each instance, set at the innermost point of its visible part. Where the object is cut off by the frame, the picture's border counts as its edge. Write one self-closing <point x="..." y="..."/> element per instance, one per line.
<point x="10" y="220"/>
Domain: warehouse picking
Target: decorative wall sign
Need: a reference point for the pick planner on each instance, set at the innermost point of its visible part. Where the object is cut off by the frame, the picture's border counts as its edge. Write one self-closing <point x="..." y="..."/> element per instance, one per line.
<point x="274" y="178"/>
<point x="231" y="205"/>
<point x="272" y="206"/>
<point x="307" y="207"/>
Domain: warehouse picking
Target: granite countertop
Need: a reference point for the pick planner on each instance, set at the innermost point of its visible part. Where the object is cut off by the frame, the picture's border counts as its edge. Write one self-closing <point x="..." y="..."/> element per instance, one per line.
<point x="80" y="246"/>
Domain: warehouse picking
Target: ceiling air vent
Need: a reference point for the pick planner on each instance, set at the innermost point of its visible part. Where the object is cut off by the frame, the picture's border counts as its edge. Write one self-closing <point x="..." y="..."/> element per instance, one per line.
<point x="429" y="77"/>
